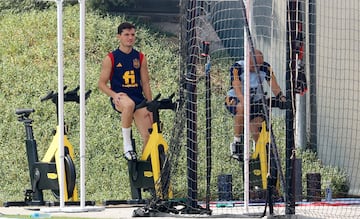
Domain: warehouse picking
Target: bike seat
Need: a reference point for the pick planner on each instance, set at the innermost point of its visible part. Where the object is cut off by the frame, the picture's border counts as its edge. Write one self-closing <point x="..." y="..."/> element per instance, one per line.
<point x="24" y="111"/>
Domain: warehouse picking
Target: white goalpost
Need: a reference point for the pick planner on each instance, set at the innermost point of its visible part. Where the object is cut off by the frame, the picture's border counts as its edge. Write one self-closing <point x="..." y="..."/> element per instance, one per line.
<point x="82" y="207"/>
<point x="246" y="113"/>
<point x="60" y="60"/>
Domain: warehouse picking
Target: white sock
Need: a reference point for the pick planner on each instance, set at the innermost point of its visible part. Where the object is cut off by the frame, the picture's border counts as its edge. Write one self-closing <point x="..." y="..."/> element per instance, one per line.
<point x="127" y="139"/>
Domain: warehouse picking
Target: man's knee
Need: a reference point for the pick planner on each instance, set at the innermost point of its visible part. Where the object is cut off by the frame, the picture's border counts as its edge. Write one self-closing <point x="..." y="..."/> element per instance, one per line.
<point x="128" y="105"/>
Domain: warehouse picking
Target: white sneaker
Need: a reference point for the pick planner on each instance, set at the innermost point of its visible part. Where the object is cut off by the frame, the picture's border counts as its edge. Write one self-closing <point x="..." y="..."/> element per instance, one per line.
<point x="130" y="155"/>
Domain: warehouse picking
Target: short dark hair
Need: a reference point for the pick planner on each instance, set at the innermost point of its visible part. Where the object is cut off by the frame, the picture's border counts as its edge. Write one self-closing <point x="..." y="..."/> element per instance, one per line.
<point x="125" y="25"/>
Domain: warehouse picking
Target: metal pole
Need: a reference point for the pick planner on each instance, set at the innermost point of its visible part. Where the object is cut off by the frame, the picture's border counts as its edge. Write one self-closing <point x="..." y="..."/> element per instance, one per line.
<point x="82" y="103"/>
<point x="300" y="130"/>
<point x="60" y="99"/>
<point x="290" y="96"/>
<point x="312" y="71"/>
<point x="246" y="126"/>
<point x="191" y="107"/>
<point x="205" y="53"/>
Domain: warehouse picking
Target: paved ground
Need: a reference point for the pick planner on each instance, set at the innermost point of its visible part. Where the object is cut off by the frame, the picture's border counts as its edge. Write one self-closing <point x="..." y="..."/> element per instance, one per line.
<point x="318" y="210"/>
<point x="127" y="212"/>
<point x="87" y="212"/>
<point x="96" y="212"/>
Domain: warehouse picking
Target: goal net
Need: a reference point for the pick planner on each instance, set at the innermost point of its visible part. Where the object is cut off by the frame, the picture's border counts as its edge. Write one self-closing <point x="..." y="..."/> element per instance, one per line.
<point x="310" y="148"/>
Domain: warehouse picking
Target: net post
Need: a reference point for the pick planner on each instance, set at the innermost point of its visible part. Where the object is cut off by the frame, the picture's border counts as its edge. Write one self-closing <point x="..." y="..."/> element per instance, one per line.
<point x="247" y="50"/>
<point x="191" y="108"/>
<point x="82" y="103"/>
<point x="290" y="94"/>
<point x="60" y="60"/>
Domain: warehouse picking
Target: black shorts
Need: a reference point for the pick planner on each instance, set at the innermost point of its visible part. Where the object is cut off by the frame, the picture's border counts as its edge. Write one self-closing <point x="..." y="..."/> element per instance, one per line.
<point x="113" y="105"/>
<point x="256" y="108"/>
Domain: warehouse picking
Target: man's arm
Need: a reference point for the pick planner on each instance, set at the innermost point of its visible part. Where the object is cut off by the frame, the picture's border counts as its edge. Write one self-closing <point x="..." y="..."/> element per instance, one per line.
<point x="238" y="89"/>
<point x="105" y="77"/>
<point x="145" y="79"/>
<point x="236" y="84"/>
<point x="275" y="88"/>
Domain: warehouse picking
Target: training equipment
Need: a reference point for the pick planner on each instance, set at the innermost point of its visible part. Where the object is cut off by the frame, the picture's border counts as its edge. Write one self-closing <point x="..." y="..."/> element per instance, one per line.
<point x="152" y="171"/>
<point x="148" y="172"/>
<point x="44" y="173"/>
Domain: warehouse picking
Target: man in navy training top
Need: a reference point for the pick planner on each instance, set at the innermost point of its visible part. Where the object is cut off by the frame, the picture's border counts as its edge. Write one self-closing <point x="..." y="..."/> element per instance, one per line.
<point x="127" y="71"/>
<point x="234" y="100"/>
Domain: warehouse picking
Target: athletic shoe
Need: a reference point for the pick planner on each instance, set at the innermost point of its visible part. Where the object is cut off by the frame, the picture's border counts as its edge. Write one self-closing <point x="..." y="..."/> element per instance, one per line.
<point x="130" y="155"/>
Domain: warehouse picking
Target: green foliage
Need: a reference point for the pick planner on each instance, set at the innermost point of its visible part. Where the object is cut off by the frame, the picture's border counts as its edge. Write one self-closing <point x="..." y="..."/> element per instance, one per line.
<point x="109" y="5"/>
<point x="311" y="164"/>
<point x="337" y="178"/>
<point x="17" y="6"/>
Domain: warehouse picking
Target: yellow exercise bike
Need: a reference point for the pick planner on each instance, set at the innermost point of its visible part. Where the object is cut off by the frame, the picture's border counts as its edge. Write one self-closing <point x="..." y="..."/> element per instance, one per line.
<point x="260" y="160"/>
<point x="44" y="173"/>
<point x="152" y="171"/>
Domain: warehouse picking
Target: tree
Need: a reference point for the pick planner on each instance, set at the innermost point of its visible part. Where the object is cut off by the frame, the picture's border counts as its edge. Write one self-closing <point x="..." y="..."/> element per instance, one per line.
<point x="108" y="5"/>
<point x="17" y="6"/>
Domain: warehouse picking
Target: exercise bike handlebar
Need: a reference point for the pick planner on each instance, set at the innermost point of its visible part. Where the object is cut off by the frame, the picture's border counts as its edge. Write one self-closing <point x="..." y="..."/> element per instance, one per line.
<point x="276" y="102"/>
<point x="70" y="96"/>
<point x="156" y="104"/>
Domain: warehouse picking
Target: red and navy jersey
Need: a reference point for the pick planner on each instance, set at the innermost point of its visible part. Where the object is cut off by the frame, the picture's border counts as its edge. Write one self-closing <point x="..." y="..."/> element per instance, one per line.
<point x="125" y="75"/>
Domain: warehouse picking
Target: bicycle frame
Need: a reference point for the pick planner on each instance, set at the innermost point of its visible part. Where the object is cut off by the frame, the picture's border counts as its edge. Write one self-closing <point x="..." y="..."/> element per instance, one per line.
<point x="147" y="171"/>
<point x="261" y="153"/>
<point x="152" y="150"/>
<point x="53" y="154"/>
